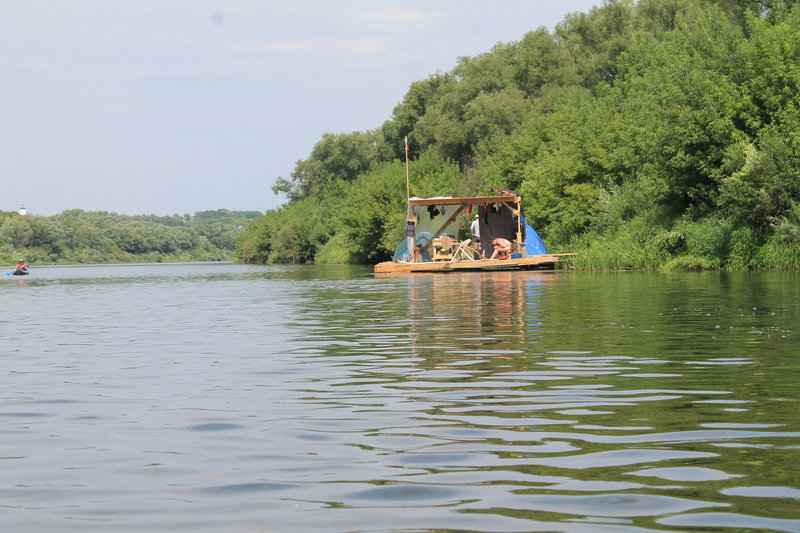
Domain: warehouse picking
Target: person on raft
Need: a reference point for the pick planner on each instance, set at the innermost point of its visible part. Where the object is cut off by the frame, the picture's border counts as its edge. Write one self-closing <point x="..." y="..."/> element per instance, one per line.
<point x="502" y="247"/>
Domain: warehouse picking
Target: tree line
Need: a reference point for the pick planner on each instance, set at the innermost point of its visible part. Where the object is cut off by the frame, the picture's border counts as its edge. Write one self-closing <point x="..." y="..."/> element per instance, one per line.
<point x="77" y="236"/>
<point x="651" y="134"/>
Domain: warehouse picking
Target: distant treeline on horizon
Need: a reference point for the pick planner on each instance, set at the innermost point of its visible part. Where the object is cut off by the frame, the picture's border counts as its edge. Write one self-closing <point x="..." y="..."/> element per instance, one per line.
<point x="77" y="236"/>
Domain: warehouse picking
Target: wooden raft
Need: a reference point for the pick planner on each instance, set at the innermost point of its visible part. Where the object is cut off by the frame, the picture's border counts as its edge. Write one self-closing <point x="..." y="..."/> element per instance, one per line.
<point x="539" y="262"/>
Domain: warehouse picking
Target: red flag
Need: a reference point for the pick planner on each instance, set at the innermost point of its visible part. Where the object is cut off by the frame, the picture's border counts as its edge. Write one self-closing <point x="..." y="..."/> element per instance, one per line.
<point x="406" y="140"/>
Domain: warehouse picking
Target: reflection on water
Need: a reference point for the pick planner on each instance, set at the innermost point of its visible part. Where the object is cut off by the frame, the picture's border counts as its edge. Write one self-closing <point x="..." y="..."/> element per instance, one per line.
<point x="235" y="398"/>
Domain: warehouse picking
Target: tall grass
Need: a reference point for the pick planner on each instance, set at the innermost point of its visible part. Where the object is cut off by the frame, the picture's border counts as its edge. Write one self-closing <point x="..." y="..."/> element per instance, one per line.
<point x="782" y="249"/>
<point x="706" y="244"/>
<point x="690" y="263"/>
<point x="334" y="252"/>
<point x="778" y="256"/>
<point x="630" y="247"/>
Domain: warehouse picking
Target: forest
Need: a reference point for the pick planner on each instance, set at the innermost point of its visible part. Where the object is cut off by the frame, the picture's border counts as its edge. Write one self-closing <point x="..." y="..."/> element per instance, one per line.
<point x="657" y="134"/>
<point x="77" y="236"/>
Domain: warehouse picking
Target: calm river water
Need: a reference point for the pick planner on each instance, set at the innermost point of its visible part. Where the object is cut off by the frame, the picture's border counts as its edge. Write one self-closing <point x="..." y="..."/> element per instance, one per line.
<point x="219" y="397"/>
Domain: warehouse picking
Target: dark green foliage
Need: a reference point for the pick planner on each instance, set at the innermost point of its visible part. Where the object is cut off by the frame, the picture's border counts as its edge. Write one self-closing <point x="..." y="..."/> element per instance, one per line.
<point x="420" y="96"/>
<point x="334" y="158"/>
<point x="650" y="134"/>
<point x="594" y="40"/>
<point x="372" y="216"/>
<point x="77" y="236"/>
<point x="294" y="233"/>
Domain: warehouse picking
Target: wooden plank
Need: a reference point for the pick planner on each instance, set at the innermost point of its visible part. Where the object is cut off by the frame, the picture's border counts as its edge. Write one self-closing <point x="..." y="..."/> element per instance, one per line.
<point x="471" y="200"/>
<point x="531" y="261"/>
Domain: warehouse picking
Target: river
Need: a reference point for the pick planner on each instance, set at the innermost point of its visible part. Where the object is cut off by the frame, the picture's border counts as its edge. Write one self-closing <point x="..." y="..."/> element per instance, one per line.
<point x="218" y="397"/>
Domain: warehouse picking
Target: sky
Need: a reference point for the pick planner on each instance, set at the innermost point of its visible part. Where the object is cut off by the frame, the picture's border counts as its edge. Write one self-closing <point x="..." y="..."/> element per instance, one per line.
<point x="177" y="106"/>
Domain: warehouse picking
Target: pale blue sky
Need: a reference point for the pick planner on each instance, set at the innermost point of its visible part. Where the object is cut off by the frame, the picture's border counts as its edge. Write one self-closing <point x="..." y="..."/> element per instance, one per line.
<point x="177" y="106"/>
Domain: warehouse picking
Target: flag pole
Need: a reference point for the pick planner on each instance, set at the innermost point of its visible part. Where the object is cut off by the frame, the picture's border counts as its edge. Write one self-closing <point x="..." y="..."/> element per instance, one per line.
<point x="408" y="182"/>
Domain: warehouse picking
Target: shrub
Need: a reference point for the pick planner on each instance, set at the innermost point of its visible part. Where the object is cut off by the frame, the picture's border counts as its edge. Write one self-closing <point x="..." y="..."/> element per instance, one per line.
<point x="690" y="263"/>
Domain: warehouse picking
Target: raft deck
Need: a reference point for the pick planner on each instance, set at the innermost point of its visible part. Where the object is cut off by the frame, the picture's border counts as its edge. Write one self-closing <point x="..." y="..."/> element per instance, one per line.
<point x="531" y="262"/>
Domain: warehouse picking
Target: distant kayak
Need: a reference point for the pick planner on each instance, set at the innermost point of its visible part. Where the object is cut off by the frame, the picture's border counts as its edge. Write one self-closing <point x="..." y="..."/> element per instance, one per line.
<point x="20" y="272"/>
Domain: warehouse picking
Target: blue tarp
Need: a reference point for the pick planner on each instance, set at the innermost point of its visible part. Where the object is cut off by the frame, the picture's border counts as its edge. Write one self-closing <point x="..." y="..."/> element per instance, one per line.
<point x="401" y="252"/>
<point x="533" y="243"/>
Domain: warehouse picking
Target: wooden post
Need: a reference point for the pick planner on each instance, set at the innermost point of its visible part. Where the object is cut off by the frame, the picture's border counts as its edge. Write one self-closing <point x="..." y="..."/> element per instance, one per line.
<point x="411" y="220"/>
<point x="408" y="182"/>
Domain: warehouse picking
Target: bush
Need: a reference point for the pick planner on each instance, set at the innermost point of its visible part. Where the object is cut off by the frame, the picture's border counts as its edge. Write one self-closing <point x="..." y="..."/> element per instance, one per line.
<point x="778" y="256"/>
<point x="335" y="252"/>
<point x="630" y="246"/>
<point x="743" y="249"/>
<point x="690" y="263"/>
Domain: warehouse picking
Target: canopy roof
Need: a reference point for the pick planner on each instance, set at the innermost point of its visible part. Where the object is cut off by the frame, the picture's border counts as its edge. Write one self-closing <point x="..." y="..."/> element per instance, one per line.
<point x="463" y="200"/>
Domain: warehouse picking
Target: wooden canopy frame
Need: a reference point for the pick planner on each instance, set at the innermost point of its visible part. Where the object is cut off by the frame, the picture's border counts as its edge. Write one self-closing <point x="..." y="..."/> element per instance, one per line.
<point x="512" y="202"/>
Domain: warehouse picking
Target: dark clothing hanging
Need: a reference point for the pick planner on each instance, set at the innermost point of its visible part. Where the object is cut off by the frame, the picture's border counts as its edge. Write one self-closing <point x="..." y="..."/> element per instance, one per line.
<point x="497" y="221"/>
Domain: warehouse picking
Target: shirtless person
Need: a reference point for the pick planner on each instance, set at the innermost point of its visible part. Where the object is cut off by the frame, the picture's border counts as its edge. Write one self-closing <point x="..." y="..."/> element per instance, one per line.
<point x="501" y="246"/>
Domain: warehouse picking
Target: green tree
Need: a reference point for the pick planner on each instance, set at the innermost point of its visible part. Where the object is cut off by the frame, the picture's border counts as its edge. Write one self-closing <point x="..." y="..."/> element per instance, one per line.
<point x="334" y="158"/>
<point x="643" y="134"/>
